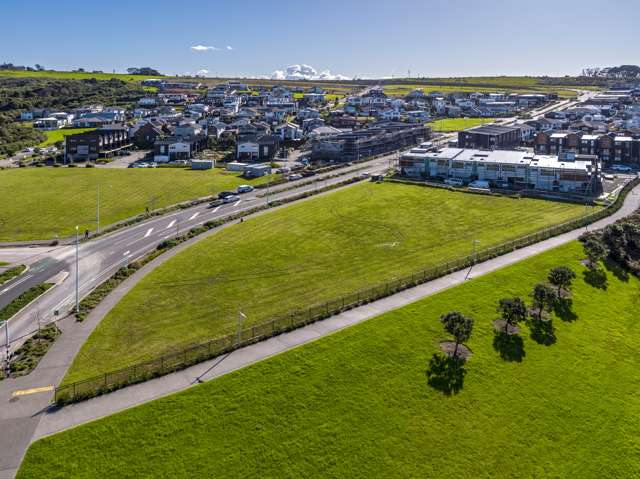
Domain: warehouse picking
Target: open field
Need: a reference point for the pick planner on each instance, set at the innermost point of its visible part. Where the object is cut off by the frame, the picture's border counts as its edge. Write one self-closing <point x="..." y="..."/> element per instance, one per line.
<point x="457" y="124"/>
<point x="357" y="403"/>
<point x="404" y="89"/>
<point x="54" y="136"/>
<point x="41" y="203"/>
<point x="299" y="256"/>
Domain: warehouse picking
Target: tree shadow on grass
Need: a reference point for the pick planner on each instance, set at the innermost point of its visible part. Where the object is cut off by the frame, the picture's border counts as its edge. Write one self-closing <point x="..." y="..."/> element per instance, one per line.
<point x="596" y="277"/>
<point x="510" y="346"/>
<point x="543" y="332"/>
<point x="618" y="271"/>
<point x="564" y="309"/>
<point x="446" y="373"/>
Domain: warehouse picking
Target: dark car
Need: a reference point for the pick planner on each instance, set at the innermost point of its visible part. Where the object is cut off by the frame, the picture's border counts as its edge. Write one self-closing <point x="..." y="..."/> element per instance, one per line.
<point x="223" y="194"/>
<point x="307" y="173"/>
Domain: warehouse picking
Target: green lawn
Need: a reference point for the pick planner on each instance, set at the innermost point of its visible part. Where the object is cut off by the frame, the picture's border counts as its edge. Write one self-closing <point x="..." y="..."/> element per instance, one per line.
<point x="54" y="136"/>
<point x="457" y="124"/>
<point x="40" y="203"/>
<point x="404" y="89"/>
<point x="302" y="255"/>
<point x="357" y="403"/>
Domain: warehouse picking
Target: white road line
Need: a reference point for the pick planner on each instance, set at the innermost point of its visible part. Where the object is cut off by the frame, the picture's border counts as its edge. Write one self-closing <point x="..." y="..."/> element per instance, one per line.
<point x="167" y="237"/>
<point x="126" y="253"/>
<point x="215" y="209"/>
<point x="194" y="216"/>
<point x="171" y="224"/>
<point x="16" y="283"/>
<point x="149" y="231"/>
<point x="237" y="203"/>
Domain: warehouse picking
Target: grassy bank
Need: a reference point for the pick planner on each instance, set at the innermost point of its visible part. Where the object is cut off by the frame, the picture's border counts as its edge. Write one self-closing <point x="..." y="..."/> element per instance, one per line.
<point x="305" y="254"/>
<point x="9" y="274"/>
<point x="357" y="403"/>
<point x="46" y="202"/>
<point x="54" y="136"/>
<point x="457" y="124"/>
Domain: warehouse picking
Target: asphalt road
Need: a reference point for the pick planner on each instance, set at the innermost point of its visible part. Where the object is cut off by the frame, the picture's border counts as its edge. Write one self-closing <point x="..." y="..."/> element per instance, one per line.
<point x="101" y="257"/>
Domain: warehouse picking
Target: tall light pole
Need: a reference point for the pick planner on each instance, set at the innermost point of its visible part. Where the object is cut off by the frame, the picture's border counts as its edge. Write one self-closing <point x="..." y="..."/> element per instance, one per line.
<point x="98" y="214"/>
<point x="77" y="272"/>
<point x="7" y="344"/>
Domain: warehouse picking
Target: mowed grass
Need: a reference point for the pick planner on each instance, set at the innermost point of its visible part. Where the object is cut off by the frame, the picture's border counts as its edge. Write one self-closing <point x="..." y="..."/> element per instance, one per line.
<point x="357" y="403"/>
<point x="457" y="124"/>
<point x="405" y="89"/>
<point x="302" y="255"/>
<point x="54" y="136"/>
<point x="41" y="203"/>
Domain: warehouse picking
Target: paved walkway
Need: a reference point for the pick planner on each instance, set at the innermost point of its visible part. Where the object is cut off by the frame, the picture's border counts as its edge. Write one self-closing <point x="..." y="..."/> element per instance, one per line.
<point x="30" y="418"/>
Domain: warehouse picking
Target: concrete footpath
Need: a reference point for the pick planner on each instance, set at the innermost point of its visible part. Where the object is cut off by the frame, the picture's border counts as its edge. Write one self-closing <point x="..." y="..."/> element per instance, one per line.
<point x="29" y="416"/>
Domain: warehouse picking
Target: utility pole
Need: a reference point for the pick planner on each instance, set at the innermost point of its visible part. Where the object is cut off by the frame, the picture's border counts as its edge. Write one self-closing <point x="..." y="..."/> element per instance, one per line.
<point x="77" y="272"/>
<point x="98" y="215"/>
<point x="7" y="345"/>
<point x="241" y="316"/>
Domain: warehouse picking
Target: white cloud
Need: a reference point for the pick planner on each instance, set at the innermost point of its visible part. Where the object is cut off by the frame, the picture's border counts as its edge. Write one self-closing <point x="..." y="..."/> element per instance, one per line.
<point x="229" y="48"/>
<point x="203" y="48"/>
<point x="305" y="72"/>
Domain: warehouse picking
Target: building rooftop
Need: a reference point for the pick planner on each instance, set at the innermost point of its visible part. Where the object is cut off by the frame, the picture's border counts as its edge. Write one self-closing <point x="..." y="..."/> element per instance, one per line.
<point x="492" y="129"/>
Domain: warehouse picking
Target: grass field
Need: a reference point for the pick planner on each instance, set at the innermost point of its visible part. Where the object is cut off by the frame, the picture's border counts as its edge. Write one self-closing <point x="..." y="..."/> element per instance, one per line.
<point x="457" y="124"/>
<point x="304" y="254"/>
<point x="357" y="403"/>
<point x="40" y="203"/>
<point x="54" y="136"/>
<point x="403" y="89"/>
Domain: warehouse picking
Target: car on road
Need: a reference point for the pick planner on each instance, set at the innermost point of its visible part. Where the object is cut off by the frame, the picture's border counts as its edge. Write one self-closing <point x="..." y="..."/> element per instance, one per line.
<point x="365" y="174"/>
<point x="454" y="182"/>
<point x="308" y="173"/>
<point x="622" y="168"/>
<point x="244" y="189"/>
<point x="294" y="177"/>
<point x="231" y="199"/>
<point x="223" y="194"/>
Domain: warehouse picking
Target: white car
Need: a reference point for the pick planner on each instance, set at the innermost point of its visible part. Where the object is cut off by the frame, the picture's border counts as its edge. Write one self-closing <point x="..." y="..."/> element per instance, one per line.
<point x="245" y="188"/>
<point x="480" y="184"/>
<point x="294" y="177"/>
<point x="454" y="182"/>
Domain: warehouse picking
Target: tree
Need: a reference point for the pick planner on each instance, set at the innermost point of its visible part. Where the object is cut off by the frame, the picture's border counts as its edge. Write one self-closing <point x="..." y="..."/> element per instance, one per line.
<point x="459" y="326"/>
<point x="595" y="250"/>
<point x="512" y="311"/>
<point x="561" y="277"/>
<point x="543" y="297"/>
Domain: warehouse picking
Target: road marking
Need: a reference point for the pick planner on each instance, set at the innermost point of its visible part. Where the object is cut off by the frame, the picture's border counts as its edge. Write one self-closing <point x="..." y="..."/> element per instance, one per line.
<point x="171" y="224"/>
<point x="236" y="203"/>
<point x="20" y="281"/>
<point x="167" y="237"/>
<point x="194" y="216"/>
<point x="25" y="392"/>
<point x="126" y="253"/>
<point x="215" y="209"/>
<point x="148" y="232"/>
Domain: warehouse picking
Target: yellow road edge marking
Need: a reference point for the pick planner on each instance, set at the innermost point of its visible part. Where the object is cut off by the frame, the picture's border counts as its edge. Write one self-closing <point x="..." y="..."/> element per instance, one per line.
<point x="25" y="392"/>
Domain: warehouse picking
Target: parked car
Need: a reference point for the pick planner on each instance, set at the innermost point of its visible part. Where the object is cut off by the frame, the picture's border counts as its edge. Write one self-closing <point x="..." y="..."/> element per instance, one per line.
<point x="480" y="184"/>
<point x="231" y="199"/>
<point x="622" y="168"/>
<point x="294" y="177"/>
<point x="503" y="185"/>
<point x="223" y="194"/>
<point x="244" y="189"/>
<point x="454" y="182"/>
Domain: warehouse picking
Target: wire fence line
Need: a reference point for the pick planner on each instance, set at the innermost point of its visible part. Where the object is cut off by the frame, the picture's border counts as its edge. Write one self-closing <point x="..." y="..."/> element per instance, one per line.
<point x="143" y="371"/>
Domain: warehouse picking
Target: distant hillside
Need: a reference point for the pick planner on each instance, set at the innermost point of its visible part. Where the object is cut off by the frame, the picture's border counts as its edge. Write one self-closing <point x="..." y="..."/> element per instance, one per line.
<point x="623" y="72"/>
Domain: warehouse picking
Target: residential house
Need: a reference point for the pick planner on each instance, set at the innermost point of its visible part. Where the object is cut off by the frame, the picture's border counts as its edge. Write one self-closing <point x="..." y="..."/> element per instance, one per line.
<point x="98" y="143"/>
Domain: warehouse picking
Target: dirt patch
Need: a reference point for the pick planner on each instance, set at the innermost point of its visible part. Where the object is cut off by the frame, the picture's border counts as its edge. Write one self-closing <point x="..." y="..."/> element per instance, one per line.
<point x="448" y="347"/>
<point x="499" y="325"/>
<point x="533" y="314"/>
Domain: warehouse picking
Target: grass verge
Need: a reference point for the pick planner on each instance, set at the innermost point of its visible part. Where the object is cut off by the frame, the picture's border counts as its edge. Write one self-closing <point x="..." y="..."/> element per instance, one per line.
<point x="358" y="403"/>
<point x="27" y="356"/>
<point x="9" y="274"/>
<point x="21" y="301"/>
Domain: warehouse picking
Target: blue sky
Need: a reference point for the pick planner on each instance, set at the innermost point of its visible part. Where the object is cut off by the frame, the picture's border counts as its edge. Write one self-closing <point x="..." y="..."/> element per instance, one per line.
<point x="366" y="38"/>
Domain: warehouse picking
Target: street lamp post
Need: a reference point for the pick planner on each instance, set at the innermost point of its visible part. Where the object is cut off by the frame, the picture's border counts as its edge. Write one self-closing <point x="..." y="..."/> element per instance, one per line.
<point x="77" y="271"/>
